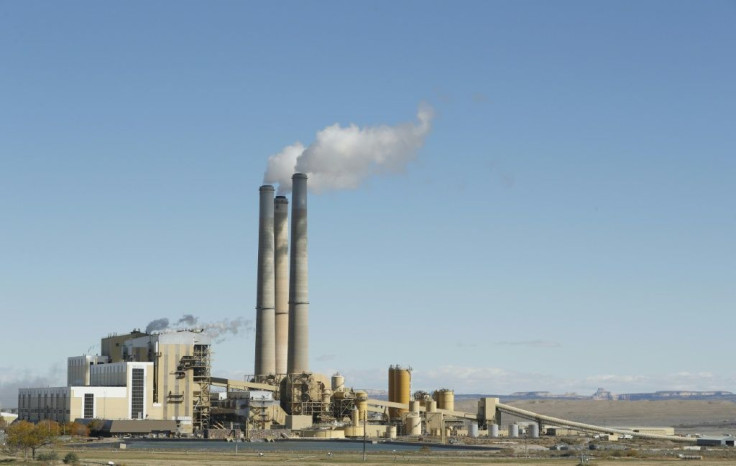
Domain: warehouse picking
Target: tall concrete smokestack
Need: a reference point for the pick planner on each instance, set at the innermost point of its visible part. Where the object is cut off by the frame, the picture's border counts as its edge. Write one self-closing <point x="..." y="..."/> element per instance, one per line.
<point x="298" y="277"/>
<point x="281" y="261"/>
<point x="265" y="363"/>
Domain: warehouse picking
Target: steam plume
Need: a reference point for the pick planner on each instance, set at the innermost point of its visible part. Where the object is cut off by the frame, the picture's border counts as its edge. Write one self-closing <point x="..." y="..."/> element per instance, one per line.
<point x="343" y="157"/>
<point x="220" y="330"/>
<point x="217" y="330"/>
<point x="157" y="325"/>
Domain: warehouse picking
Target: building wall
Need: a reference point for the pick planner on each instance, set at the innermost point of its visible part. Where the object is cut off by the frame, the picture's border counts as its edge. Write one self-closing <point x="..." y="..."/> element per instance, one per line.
<point x="78" y="368"/>
<point x="112" y="346"/>
<point x="110" y="375"/>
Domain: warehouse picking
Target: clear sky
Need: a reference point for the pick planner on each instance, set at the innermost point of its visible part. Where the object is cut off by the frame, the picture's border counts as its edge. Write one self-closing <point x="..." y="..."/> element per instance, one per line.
<point x="568" y="223"/>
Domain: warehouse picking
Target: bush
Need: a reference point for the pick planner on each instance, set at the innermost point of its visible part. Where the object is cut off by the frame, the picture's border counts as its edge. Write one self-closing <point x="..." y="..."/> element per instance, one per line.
<point x="71" y="458"/>
<point x="47" y="456"/>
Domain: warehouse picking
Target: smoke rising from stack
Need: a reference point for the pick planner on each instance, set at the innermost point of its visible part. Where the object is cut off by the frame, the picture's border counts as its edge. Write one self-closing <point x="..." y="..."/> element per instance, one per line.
<point x="157" y="325"/>
<point x="218" y="330"/>
<point x="344" y="157"/>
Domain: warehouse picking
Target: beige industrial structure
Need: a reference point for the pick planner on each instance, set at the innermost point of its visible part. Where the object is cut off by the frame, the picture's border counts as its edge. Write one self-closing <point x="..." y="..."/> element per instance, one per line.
<point x="160" y="376"/>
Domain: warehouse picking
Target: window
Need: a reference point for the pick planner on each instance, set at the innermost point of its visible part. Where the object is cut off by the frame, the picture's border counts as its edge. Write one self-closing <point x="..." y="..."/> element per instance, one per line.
<point x="89" y="405"/>
<point x="136" y="399"/>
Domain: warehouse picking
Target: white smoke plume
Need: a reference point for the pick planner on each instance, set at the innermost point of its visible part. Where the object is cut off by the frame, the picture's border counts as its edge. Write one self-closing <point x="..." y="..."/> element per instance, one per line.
<point x="221" y="329"/>
<point x="344" y="157"/>
<point x="217" y="330"/>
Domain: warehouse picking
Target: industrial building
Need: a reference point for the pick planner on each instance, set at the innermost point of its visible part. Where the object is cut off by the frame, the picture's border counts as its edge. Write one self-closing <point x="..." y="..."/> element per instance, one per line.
<point x="162" y="382"/>
<point x="137" y="376"/>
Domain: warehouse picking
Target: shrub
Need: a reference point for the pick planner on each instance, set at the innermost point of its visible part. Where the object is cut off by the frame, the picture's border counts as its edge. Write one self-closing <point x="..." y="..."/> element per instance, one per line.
<point x="47" y="456"/>
<point x="71" y="458"/>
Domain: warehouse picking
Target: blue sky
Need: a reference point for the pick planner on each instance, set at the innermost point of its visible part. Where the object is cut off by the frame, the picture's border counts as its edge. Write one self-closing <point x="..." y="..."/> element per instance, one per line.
<point x="568" y="223"/>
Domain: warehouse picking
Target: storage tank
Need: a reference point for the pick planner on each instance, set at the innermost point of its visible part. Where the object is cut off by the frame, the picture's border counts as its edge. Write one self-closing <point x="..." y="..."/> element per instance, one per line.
<point x="534" y="430"/>
<point x="493" y="431"/>
<point x="513" y="430"/>
<point x="403" y="387"/>
<point x="392" y="412"/>
<point x="391" y="432"/>
<point x="414" y="406"/>
<point x="413" y="424"/>
<point x="473" y="430"/>
<point x="445" y="399"/>
<point x="431" y="406"/>
<point x="361" y="402"/>
<point x="338" y="383"/>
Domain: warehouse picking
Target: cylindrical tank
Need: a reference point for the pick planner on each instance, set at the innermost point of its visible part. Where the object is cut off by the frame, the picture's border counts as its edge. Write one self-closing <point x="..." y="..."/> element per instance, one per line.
<point x="431" y="406"/>
<point x="414" y="406"/>
<point x="445" y="399"/>
<point x="403" y="387"/>
<point x="493" y="431"/>
<point x="338" y="383"/>
<point x="361" y="402"/>
<point x="534" y="430"/>
<point x="513" y="430"/>
<point x="355" y="416"/>
<point x="392" y="412"/>
<point x="298" y="360"/>
<point x="391" y="431"/>
<point x="413" y="424"/>
<point x="473" y="430"/>
<point x="281" y="267"/>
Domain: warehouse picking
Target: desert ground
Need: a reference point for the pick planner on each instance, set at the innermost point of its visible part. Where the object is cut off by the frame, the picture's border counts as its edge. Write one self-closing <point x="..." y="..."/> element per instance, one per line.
<point x="686" y="416"/>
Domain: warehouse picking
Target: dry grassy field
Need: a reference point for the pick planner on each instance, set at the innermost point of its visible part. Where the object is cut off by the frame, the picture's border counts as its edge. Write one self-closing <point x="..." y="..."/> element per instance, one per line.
<point x="139" y="458"/>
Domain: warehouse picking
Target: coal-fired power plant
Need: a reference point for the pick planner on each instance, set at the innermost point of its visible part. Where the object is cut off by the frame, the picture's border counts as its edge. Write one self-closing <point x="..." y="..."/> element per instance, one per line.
<point x="163" y="379"/>
<point x="282" y="308"/>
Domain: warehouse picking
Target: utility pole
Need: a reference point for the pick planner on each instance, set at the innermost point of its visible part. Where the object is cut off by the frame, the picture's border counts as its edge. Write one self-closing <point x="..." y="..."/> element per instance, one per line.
<point x="365" y="432"/>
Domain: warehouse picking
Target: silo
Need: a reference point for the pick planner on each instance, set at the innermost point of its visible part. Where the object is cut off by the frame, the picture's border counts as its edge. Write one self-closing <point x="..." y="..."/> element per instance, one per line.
<point x="534" y="430"/>
<point x="265" y="354"/>
<point x="431" y="406"/>
<point x="281" y="268"/>
<point x="392" y="391"/>
<point x="493" y="431"/>
<point x="298" y="360"/>
<point x="445" y="399"/>
<point x="402" y="388"/>
<point x="513" y="430"/>
<point x="473" y="430"/>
